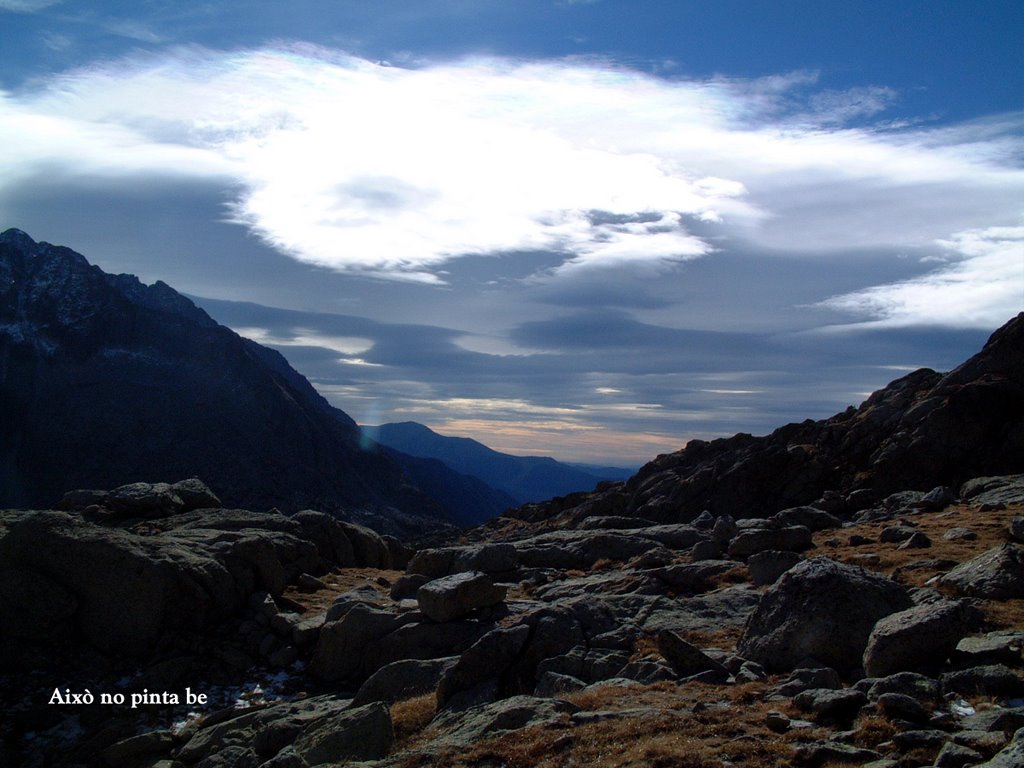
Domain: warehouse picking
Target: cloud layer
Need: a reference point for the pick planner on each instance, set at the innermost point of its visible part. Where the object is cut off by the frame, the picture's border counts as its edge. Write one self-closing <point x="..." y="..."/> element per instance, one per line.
<point x="359" y="166"/>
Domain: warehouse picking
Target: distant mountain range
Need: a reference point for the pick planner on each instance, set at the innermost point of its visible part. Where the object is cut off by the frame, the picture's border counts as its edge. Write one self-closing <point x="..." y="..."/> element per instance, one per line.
<point x="522" y="478"/>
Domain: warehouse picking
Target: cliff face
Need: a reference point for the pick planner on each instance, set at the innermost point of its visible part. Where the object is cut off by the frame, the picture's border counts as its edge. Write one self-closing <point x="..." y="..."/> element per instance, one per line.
<point x="922" y="430"/>
<point x="105" y="381"/>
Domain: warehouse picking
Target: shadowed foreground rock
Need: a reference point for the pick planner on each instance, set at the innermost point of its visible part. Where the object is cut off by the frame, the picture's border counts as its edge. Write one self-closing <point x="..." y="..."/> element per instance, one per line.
<point x="819" y="610"/>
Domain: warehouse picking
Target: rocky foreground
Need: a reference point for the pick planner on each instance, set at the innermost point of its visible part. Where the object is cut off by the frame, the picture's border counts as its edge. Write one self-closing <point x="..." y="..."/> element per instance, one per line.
<point x="892" y="637"/>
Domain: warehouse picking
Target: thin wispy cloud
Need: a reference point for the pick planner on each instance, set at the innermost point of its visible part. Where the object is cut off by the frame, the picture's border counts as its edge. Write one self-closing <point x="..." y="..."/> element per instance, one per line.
<point x="26" y="6"/>
<point x="358" y="166"/>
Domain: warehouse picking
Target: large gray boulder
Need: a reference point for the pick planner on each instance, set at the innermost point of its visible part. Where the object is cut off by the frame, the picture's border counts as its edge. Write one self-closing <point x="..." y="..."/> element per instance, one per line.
<point x="452" y="597"/>
<point x="919" y="639"/>
<point x="484" y="661"/>
<point x="819" y="610"/>
<point x="997" y="573"/>
<point x="402" y="680"/>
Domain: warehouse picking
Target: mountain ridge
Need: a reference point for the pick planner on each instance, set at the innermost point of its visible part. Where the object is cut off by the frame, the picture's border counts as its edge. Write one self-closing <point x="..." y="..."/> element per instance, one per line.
<point x="921" y="430"/>
<point x="524" y="478"/>
<point x="106" y="381"/>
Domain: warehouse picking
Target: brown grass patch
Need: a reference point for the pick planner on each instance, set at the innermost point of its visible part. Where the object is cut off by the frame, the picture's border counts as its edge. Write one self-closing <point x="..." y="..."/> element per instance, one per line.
<point x="410" y="716"/>
<point x="670" y="726"/>
<point x="338" y="582"/>
<point x="872" y="730"/>
<point x="991" y="528"/>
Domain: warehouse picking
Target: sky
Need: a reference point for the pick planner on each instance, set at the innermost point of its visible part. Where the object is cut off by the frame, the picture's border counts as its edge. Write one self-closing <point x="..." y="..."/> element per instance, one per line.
<point x="592" y="229"/>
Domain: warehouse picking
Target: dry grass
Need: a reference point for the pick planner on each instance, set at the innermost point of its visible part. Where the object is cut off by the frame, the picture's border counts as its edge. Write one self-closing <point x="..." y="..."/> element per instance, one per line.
<point x="410" y="716"/>
<point x="990" y="527"/>
<point x="341" y="581"/>
<point x="662" y="725"/>
<point x="872" y="730"/>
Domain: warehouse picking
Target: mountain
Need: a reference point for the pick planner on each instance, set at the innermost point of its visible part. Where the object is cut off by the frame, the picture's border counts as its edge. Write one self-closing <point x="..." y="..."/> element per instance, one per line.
<point x="467" y="499"/>
<point x="524" y="478"/>
<point x="923" y="430"/>
<point x="106" y="381"/>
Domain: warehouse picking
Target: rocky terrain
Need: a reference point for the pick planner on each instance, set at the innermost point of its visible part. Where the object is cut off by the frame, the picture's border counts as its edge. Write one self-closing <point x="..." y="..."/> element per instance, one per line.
<point x="877" y="621"/>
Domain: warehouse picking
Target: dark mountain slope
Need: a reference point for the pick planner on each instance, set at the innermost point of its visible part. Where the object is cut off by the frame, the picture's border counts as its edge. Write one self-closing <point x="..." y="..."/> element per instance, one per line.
<point x="923" y="430"/>
<point x="104" y="381"/>
<point x="524" y="478"/>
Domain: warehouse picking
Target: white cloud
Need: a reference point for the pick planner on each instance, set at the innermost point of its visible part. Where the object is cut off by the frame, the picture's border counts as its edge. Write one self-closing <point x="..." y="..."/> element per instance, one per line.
<point x="26" y="6"/>
<point x="353" y="165"/>
<point x="981" y="289"/>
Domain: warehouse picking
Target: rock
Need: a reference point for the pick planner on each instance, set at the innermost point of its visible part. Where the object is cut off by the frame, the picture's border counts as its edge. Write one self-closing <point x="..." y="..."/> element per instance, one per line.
<point x="917" y="540"/>
<point x="766" y="567"/>
<point x="553" y="683"/>
<point x="776" y="721"/>
<point x="145" y="500"/>
<point x="118" y="590"/>
<point x="834" y="706"/>
<point x="724" y="529"/>
<point x="832" y="753"/>
<point x="705" y="550"/>
<point x="997" y="573"/>
<point x="485" y="660"/>
<point x="1016" y="529"/>
<point x="919" y="639"/>
<point x="466" y="728"/>
<point x="910" y="684"/>
<point x="364" y="733"/>
<point x="452" y="597"/>
<point x="1004" y="489"/>
<point x="819" y="609"/>
<point x="959" y="534"/>
<point x="1011" y="756"/>
<point x="809" y="517"/>
<point x="407" y="586"/>
<point x="937" y="499"/>
<point x="899" y="706"/>
<point x="402" y="680"/>
<point x="694" y="578"/>
<point x="926" y="738"/>
<point x="794" y="538"/>
<point x="1005" y="720"/>
<point x="195" y="494"/>
<point x="856" y="540"/>
<point x="686" y="659"/>
<point x="487" y="558"/>
<point x="895" y="534"/>
<point x="806" y="678"/>
<point x="987" y="680"/>
<point x="1003" y="647"/>
<point x="955" y="756"/>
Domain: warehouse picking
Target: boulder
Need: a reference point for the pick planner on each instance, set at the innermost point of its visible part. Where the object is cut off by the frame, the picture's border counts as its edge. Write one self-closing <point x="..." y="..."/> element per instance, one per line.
<point x="485" y="660"/>
<point x="809" y="517"/>
<point x="794" y="538"/>
<point x="919" y="639"/>
<point x="402" y="680"/>
<point x="452" y="597"/>
<point x="820" y="609"/>
<point x="986" y="680"/>
<point x="829" y="705"/>
<point x="694" y="578"/>
<point x="687" y="659"/>
<point x="1010" y="756"/>
<point x="364" y="733"/>
<point x="997" y="573"/>
<point x="766" y="567"/>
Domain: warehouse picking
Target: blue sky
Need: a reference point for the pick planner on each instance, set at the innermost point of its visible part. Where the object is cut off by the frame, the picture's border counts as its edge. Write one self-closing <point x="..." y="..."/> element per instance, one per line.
<point x="587" y="229"/>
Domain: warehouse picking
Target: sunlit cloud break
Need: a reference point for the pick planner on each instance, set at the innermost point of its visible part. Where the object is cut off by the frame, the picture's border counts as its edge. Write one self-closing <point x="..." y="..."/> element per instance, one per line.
<point x="354" y="165"/>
